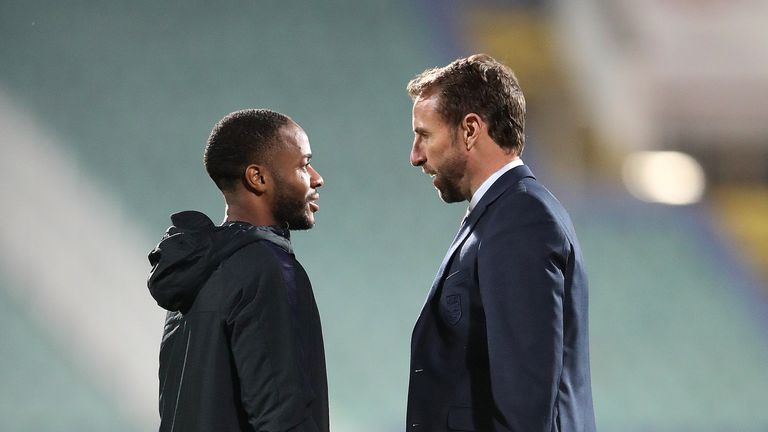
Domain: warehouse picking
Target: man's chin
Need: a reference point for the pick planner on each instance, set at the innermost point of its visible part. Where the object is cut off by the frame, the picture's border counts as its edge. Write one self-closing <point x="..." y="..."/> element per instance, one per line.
<point x="449" y="197"/>
<point x="304" y="223"/>
<point x="446" y="190"/>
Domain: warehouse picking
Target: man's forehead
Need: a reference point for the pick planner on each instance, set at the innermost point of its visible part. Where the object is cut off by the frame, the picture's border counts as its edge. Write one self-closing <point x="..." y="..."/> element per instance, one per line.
<point x="426" y="108"/>
<point x="295" y="139"/>
<point x="426" y="102"/>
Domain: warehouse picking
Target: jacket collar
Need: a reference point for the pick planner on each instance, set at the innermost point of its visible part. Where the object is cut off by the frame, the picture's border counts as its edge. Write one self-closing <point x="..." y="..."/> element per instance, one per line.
<point x="273" y="233"/>
<point x="507" y="180"/>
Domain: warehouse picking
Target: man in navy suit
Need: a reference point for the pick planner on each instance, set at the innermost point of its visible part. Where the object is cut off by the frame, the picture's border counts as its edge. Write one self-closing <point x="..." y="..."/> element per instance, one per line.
<point x="502" y="342"/>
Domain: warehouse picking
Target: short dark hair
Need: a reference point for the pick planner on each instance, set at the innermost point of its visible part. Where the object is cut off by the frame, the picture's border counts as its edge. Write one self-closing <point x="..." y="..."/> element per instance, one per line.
<point x="478" y="84"/>
<point x="241" y="138"/>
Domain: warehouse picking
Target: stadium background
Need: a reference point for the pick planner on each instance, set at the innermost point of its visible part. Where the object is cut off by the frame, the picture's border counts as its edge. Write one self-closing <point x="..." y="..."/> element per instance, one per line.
<point x="105" y="108"/>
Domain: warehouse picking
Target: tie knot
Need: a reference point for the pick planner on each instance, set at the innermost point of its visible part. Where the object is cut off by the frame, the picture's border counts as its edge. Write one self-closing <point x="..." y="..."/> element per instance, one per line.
<point x="466" y="215"/>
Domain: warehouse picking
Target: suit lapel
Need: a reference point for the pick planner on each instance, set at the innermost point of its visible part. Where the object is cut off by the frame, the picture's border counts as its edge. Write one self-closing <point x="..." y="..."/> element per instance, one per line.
<point x="509" y="179"/>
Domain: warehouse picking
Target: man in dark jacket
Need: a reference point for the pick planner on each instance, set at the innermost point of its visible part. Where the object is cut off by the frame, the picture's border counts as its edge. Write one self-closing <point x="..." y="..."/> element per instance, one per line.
<point x="242" y="347"/>
<point x="501" y="343"/>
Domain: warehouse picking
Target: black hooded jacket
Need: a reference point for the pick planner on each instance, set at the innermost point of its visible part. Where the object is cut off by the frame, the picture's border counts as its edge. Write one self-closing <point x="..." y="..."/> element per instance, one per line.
<point x="242" y="347"/>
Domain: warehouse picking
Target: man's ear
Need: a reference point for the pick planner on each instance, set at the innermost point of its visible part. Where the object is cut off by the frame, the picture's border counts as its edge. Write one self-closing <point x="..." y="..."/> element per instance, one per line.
<point x="471" y="126"/>
<point x="256" y="178"/>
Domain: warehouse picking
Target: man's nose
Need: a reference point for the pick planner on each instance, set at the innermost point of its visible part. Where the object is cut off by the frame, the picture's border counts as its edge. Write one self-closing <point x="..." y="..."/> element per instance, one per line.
<point x="316" y="178"/>
<point x="417" y="156"/>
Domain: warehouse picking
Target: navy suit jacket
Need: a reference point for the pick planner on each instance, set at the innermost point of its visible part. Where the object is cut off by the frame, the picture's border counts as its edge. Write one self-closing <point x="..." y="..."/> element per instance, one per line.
<point x="501" y="343"/>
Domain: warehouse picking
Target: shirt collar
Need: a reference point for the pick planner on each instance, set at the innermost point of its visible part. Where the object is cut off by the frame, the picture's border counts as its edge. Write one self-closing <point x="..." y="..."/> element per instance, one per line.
<point x="490" y="181"/>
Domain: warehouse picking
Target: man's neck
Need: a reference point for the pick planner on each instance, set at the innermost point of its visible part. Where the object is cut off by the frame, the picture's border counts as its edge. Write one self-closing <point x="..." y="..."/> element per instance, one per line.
<point x="486" y="169"/>
<point x="243" y="210"/>
<point x="489" y="182"/>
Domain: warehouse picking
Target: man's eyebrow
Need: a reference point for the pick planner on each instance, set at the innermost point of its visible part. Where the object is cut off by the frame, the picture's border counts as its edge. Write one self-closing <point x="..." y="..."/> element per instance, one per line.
<point x="308" y="156"/>
<point x="420" y="130"/>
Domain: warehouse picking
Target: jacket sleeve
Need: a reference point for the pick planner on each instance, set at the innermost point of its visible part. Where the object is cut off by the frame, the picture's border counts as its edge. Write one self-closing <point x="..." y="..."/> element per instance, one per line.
<point x="266" y="355"/>
<point x="521" y="287"/>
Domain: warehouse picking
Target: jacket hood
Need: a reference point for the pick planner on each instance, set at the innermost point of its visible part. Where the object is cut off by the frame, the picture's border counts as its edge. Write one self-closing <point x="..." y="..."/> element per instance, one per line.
<point x="192" y="248"/>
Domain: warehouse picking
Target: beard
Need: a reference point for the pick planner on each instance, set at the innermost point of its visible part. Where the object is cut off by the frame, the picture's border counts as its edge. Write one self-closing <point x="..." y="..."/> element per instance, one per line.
<point x="450" y="174"/>
<point x="291" y="209"/>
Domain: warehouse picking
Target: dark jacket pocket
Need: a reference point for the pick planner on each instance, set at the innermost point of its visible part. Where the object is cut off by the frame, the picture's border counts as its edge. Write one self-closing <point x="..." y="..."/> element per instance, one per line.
<point x="461" y="419"/>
